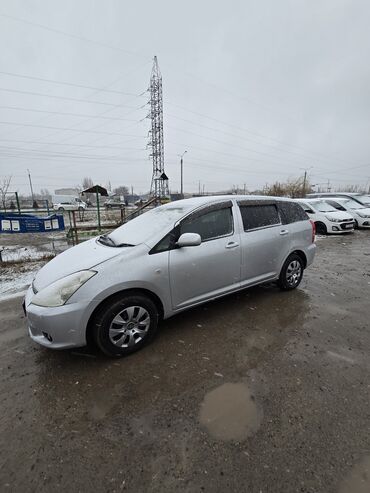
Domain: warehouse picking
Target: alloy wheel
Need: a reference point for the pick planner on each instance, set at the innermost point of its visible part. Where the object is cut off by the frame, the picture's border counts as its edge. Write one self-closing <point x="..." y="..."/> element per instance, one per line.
<point x="129" y="327"/>
<point x="293" y="273"/>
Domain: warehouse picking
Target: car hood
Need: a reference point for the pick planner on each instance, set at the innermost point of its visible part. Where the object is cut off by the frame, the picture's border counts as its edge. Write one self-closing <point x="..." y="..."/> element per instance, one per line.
<point x="365" y="211"/>
<point x="344" y="216"/>
<point x="84" y="256"/>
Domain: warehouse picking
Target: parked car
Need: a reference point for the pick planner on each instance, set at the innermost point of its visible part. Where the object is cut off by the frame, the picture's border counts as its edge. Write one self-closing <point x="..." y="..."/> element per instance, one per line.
<point x="114" y="289"/>
<point x="114" y="203"/>
<point x="360" y="213"/>
<point x="63" y="203"/>
<point x="362" y="199"/>
<point x="327" y="219"/>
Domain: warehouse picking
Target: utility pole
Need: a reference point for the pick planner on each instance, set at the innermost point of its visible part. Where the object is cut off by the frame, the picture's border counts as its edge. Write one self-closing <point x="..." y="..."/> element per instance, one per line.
<point x="29" y="177"/>
<point x="182" y="173"/>
<point x="305" y="180"/>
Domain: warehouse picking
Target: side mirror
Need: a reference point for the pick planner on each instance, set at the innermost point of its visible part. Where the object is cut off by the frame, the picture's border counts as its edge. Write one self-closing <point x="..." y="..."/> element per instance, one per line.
<point x="189" y="239"/>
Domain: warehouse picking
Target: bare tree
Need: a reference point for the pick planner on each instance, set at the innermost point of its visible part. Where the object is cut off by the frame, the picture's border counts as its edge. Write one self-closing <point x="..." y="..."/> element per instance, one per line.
<point x="122" y="190"/>
<point x="4" y="187"/>
<point x="87" y="183"/>
<point x="291" y="188"/>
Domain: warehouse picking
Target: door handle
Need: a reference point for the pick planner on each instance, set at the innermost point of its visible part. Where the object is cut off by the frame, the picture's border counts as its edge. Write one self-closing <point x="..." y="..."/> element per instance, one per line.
<point x="284" y="232"/>
<point x="232" y="244"/>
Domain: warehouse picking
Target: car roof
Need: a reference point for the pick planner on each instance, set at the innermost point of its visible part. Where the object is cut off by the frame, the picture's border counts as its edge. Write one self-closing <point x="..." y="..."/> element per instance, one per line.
<point x="208" y="199"/>
<point x="312" y="199"/>
<point x="333" y="194"/>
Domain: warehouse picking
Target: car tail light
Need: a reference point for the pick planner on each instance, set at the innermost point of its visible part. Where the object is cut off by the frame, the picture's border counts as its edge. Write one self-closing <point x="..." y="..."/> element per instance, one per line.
<point x="313" y="230"/>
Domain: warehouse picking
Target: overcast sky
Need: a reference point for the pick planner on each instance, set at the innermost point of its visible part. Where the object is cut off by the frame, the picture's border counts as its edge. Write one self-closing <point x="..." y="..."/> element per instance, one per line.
<point x="254" y="91"/>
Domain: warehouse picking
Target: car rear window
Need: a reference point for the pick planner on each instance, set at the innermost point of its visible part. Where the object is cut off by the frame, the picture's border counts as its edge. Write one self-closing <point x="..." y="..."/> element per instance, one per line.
<point x="291" y="212"/>
<point x="259" y="216"/>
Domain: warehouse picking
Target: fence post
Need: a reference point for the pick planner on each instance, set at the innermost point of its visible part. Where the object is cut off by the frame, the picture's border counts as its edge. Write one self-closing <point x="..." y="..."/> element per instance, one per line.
<point x="98" y="206"/>
<point x="74" y="225"/>
<point x="18" y="206"/>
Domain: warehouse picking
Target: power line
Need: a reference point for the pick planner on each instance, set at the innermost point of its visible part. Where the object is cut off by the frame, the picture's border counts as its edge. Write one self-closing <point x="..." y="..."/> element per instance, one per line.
<point x="257" y="134"/>
<point x="124" y="74"/>
<point x="66" y="98"/>
<point x="225" y="143"/>
<point x="69" y="129"/>
<point x="61" y="113"/>
<point x="71" y="84"/>
<point x="113" y="146"/>
<point x="238" y="136"/>
<point x="70" y="35"/>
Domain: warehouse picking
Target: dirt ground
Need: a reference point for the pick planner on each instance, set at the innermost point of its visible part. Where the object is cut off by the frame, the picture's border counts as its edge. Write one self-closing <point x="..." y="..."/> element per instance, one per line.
<point x="261" y="391"/>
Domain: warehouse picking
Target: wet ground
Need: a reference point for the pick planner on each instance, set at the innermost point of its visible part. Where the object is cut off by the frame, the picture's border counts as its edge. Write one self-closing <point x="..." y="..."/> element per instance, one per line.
<point x="262" y="391"/>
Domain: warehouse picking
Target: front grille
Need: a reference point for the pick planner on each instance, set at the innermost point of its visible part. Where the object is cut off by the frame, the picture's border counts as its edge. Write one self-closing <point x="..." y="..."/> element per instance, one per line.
<point x="345" y="226"/>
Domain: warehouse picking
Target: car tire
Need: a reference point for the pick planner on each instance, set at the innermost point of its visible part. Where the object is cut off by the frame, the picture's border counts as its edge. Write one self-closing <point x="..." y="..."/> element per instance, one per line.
<point x="321" y="229"/>
<point x="291" y="273"/>
<point x="356" y="226"/>
<point x="80" y="209"/>
<point x="125" y="324"/>
<point x="61" y="209"/>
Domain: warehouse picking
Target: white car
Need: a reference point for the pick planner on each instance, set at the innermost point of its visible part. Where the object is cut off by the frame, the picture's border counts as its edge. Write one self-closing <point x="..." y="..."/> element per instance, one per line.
<point x="360" y="213"/>
<point x="327" y="219"/>
<point x="74" y="204"/>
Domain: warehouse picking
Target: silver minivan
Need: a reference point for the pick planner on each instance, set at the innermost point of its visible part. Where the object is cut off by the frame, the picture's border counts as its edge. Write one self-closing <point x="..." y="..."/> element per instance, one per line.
<point x="114" y="289"/>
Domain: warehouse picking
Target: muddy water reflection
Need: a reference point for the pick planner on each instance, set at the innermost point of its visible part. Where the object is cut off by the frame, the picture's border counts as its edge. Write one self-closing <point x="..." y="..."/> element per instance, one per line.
<point x="358" y="480"/>
<point x="229" y="412"/>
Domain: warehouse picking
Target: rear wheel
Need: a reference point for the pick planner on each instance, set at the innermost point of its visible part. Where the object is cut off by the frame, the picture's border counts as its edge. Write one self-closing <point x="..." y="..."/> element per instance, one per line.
<point x="321" y="229"/>
<point x="125" y="325"/>
<point x="292" y="272"/>
<point x="61" y="209"/>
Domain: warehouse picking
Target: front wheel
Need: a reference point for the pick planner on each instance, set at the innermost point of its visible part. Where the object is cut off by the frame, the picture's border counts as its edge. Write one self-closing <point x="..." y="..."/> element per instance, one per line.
<point x="125" y="325"/>
<point x="321" y="229"/>
<point x="61" y="209"/>
<point x="292" y="272"/>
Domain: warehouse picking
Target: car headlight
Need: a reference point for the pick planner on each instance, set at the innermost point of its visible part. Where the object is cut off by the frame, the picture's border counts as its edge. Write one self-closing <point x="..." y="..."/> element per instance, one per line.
<point x="59" y="292"/>
<point x="333" y="220"/>
<point x="363" y="215"/>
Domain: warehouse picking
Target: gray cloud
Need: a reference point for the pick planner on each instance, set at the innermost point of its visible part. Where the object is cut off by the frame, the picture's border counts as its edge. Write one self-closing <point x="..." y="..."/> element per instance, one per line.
<point x="254" y="91"/>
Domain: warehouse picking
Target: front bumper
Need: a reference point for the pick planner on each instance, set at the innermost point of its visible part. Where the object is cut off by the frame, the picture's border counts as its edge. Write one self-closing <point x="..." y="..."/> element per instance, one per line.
<point x="59" y="327"/>
<point x="344" y="227"/>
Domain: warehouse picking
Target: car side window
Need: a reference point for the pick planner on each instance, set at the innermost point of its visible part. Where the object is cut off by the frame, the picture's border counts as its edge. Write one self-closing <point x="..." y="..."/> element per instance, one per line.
<point x="166" y="243"/>
<point x="306" y="208"/>
<point x="209" y="225"/>
<point x="291" y="212"/>
<point x="259" y="216"/>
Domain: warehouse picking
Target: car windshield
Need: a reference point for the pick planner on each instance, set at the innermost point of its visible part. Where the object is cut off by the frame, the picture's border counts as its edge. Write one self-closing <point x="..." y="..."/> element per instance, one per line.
<point x="322" y="206"/>
<point x="364" y="199"/>
<point x="352" y="204"/>
<point x="142" y="228"/>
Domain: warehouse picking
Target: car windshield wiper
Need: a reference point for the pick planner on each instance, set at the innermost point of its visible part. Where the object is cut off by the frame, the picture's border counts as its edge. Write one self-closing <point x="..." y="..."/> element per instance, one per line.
<point x="107" y="241"/>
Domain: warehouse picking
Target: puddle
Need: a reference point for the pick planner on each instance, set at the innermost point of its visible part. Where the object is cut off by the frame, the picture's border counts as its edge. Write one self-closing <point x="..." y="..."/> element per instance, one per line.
<point x="229" y="412"/>
<point x="358" y="480"/>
